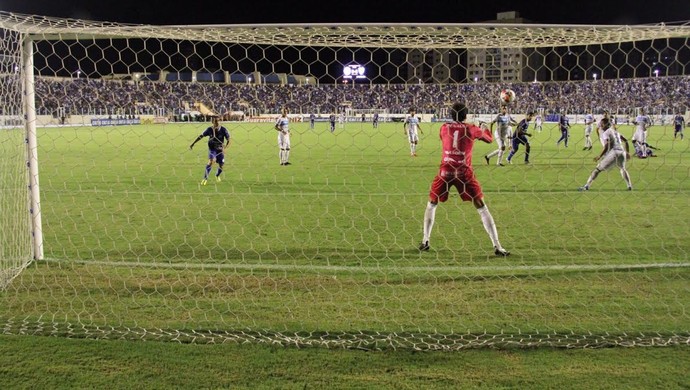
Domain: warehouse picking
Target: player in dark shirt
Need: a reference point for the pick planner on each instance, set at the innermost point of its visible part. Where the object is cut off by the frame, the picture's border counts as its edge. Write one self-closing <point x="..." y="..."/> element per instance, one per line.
<point x="564" y="125"/>
<point x="331" y="120"/>
<point x="218" y="141"/>
<point x="520" y="138"/>
<point x="678" y="125"/>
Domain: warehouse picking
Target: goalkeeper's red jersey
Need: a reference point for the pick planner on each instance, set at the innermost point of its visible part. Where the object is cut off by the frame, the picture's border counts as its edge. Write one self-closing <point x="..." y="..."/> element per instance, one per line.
<point x="457" y="139"/>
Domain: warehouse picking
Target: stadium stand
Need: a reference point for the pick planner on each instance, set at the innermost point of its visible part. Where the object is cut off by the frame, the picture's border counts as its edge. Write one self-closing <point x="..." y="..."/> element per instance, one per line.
<point x="96" y="96"/>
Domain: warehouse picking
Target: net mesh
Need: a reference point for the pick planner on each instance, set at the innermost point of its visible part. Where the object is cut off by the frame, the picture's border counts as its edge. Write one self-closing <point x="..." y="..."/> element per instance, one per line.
<point x="15" y="236"/>
<point x="324" y="252"/>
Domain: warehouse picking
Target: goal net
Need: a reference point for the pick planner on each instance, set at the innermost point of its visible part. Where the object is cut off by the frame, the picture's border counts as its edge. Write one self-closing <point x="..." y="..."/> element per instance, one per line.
<point x="111" y="227"/>
<point x="15" y="232"/>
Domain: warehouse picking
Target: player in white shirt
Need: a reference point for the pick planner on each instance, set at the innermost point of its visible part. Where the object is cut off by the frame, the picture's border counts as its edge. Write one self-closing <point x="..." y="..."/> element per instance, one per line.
<point x="615" y="152"/>
<point x="537" y="123"/>
<point x="600" y="132"/>
<point x="412" y="130"/>
<point x="341" y="120"/>
<point x="589" y="124"/>
<point x="639" y="139"/>
<point x="283" y="127"/>
<point x="501" y="134"/>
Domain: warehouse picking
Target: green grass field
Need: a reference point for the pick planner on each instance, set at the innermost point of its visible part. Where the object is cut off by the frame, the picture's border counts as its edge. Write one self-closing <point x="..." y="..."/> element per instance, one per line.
<point x="28" y="362"/>
<point x="328" y="244"/>
<point x="323" y="252"/>
<point x="354" y="198"/>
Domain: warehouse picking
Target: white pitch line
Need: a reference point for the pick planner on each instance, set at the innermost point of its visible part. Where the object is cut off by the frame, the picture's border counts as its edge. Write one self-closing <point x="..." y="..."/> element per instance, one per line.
<point x="370" y="269"/>
<point x="340" y="194"/>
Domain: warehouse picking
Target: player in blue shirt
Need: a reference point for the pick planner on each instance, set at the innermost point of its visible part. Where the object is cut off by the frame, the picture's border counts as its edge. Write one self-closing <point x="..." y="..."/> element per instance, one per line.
<point x="564" y="125"/>
<point x="678" y="126"/>
<point x="520" y="137"/>
<point x="312" y="119"/>
<point x="376" y="120"/>
<point x="218" y="141"/>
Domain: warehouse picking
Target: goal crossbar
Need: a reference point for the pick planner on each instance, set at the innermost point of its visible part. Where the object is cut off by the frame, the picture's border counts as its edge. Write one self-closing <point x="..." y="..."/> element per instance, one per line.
<point x="391" y="35"/>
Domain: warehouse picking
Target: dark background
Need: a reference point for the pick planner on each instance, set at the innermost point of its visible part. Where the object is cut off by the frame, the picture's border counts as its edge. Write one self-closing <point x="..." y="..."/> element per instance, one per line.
<point x="355" y="11"/>
<point x="624" y="60"/>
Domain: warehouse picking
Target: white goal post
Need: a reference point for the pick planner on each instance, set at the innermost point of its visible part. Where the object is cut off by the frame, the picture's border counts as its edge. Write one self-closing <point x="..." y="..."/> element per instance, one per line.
<point x="110" y="227"/>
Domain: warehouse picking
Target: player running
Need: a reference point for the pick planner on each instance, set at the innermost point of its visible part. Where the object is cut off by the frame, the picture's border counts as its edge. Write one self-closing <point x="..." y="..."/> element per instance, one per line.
<point x="615" y="152"/>
<point x="218" y="141"/>
<point x="501" y="135"/>
<point x="520" y="138"/>
<point x="564" y="126"/>
<point x="457" y="140"/>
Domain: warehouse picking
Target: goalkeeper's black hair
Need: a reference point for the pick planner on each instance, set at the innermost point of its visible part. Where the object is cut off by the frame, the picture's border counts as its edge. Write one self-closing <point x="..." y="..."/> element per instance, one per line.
<point x="458" y="112"/>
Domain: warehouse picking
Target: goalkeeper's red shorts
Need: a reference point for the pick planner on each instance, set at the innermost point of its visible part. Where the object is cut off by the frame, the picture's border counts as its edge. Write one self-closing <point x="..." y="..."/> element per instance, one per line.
<point x="464" y="181"/>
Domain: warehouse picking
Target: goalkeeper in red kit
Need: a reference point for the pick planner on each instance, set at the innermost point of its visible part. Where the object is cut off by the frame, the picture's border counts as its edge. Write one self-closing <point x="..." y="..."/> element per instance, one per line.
<point x="457" y="139"/>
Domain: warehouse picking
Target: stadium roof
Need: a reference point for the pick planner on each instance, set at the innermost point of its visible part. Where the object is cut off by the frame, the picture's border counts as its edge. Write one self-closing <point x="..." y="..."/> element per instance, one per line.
<point x="385" y="35"/>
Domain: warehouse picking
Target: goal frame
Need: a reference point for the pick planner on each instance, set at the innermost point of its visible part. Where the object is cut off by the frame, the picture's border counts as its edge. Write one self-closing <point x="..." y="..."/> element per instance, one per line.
<point x="32" y="149"/>
<point x="35" y="29"/>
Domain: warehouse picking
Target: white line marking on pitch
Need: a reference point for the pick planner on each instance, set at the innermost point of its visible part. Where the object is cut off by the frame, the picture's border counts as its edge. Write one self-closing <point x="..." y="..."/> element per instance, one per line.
<point x="370" y="269"/>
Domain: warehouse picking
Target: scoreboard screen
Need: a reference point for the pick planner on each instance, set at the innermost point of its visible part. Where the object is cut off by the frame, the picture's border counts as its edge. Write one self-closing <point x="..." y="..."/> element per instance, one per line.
<point x="354" y="71"/>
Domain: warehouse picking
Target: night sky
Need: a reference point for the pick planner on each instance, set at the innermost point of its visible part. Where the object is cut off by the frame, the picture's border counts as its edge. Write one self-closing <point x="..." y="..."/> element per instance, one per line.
<point x="356" y="11"/>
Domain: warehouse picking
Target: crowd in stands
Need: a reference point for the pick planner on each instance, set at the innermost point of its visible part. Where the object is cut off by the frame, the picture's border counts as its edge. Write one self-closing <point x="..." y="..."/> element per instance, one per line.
<point x="102" y="97"/>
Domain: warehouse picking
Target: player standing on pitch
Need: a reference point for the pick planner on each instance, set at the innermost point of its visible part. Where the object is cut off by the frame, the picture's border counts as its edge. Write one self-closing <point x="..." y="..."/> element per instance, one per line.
<point x="502" y="133"/>
<point x="538" y="123"/>
<point x="411" y="128"/>
<point x="600" y="131"/>
<point x="589" y="124"/>
<point x="457" y="140"/>
<point x="678" y="126"/>
<point x="331" y="121"/>
<point x="216" y="150"/>
<point x="283" y="127"/>
<point x="639" y="138"/>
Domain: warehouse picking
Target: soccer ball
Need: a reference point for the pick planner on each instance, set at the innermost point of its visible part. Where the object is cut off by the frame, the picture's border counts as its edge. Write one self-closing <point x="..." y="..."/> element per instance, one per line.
<point x="507" y="96"/>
